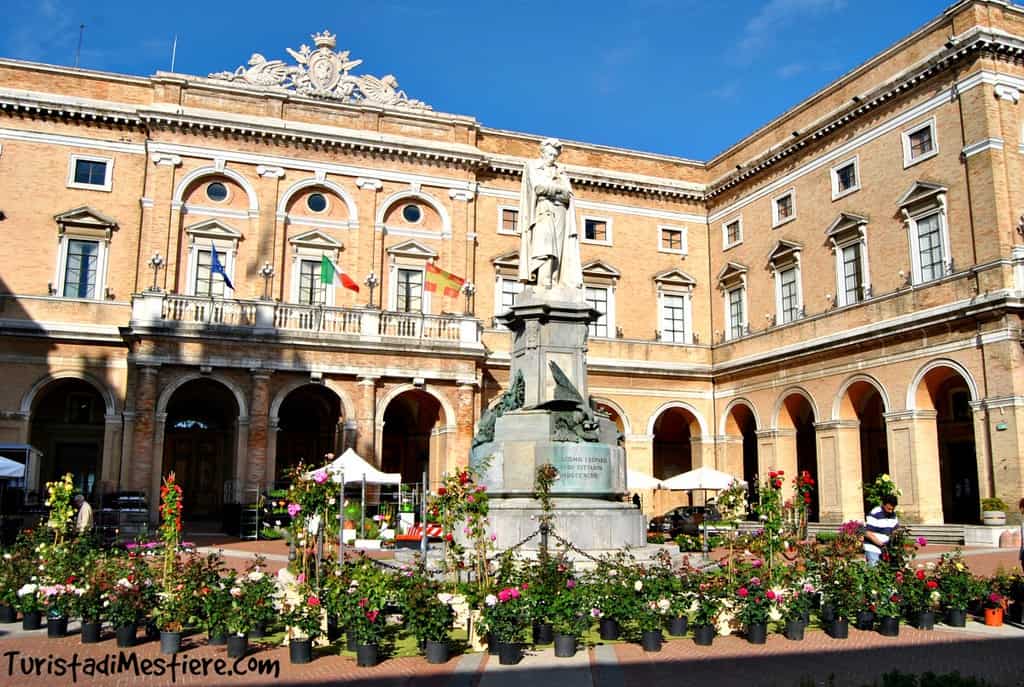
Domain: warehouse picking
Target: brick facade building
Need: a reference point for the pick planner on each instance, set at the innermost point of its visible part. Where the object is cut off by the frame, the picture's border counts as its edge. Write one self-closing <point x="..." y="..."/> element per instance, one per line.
<point x="840" y="291"/>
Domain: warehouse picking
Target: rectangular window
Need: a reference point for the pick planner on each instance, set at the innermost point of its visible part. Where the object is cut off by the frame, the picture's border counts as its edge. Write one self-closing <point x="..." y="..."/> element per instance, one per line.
<point x="410" y="291"/>
<point x="598" y="299"/>
<point x="784" y="209"/>
<point x="919" y="143"/>
<point x="853" y="275"/>
<point x="208" y="284"/>
<point x="929" y="246"/>
<point x="737" y="318"/>
<point x="595" y="230"/>
<point x="311" y="291"/>
<point x="80" y="269"/>
<point x="789" y="296"/>
<point x="89" y="172"/>
<point x="733" y="232"/>
<point x="509" y="220"/>
<point x="673" y="318"/>
<point x="672" y="240"/>
<point x="845" y="178"/>
<point x="510" y="288"/>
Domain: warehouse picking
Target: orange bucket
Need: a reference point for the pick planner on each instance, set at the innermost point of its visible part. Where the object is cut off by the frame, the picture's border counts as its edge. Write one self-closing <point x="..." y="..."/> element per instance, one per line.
<point x="994" y="617"/>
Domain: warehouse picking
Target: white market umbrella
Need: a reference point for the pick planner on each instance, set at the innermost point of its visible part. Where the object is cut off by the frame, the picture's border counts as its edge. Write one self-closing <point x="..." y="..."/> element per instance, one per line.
<point x="638" y="480"/>
<point x="703" y="479"/>
<point x="11" y="469"/>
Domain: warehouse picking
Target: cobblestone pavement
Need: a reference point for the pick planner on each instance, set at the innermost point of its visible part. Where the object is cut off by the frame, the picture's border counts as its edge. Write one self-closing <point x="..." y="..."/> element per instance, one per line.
<point x="993" y="653"/>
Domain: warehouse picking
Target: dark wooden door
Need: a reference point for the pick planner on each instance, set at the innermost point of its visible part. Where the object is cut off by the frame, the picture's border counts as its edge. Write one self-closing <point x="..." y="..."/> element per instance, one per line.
<point x="198" y="460"/>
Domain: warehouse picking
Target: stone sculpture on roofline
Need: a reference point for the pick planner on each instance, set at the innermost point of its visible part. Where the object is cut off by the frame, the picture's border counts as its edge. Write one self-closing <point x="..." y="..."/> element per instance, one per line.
<point x="546" y="416"/>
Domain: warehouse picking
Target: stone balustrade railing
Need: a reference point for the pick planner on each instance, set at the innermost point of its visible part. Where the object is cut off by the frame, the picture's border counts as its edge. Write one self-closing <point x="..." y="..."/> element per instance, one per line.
<point x="156" y="308"/>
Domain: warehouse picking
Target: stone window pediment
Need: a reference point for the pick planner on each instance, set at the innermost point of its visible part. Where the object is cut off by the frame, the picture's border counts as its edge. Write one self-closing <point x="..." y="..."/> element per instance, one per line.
<point x="411" y="250"/>
<point x="315" y="241"/>
<point x="732" y="275"/>
<point x="84" y="221"/>
<point x="506" y="264"/>
<point x="674" y="280"/>
<point x="214" y="230"/>
<point x="600" y="273"/>
<point x="847" y="227"/>
<point x="784" y="254"/>
<point x="922" y="195"/>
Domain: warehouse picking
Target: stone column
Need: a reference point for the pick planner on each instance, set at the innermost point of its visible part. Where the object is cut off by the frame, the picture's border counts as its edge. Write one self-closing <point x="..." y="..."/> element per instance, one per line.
<point x="729" y="454"/>
<point x="272" y="427"/>
<point x="979" y="415"/>
<point x="366" y="422"/>
<point x="242" y="480"/>
<point x="702" y="451"/>
<point x="776" y="450"/>
<point x="139" y="468"/>
<point x="111" y="451"/>
<point x="127" y="438"/>
<point x="465" y="418"/>
<point x="156" y="474"/>
<point x="839" y="477"/>
<point x="914" y="463"/>
<point x="259" y="408"/>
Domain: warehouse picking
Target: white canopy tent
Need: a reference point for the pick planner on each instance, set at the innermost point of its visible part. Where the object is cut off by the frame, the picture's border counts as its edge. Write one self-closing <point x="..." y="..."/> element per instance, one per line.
<point x="701" y="479"/>
<point x="11" y="469"/>
<point x="354" y="469"/>
<point x="638" y="480"/>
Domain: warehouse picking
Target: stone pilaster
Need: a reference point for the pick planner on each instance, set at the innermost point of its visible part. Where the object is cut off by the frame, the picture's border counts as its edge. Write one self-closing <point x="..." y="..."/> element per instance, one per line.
<point x="913" y="443"/>
<point x="776" y="450"/>
<point x="464" y="425"/>
<point x="729" y="454"/>
<point x="111" y="451"/>
<point x="272" y="428"/>
<point x="366" y="422"/>
<point x="259" y="408"/>
<point x="156" y="474"/>
<point x="702" y="451"/>
<point x="839" y="476"/>
<point x="139" y="469"/>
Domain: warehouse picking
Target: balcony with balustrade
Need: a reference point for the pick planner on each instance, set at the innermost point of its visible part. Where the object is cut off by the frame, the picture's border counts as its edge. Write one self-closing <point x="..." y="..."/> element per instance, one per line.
<point x="165" y="314"/>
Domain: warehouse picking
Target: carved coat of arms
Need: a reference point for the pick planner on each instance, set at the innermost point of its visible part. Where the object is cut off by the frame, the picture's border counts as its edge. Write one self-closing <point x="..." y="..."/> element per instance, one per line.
<point x="322" y="72"/>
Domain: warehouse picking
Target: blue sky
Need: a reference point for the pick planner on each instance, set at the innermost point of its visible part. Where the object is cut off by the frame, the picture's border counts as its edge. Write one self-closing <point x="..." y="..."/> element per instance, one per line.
<point x="682" y="77"/>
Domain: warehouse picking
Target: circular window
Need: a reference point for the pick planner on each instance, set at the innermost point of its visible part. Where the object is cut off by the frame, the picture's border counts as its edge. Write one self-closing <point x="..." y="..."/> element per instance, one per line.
<point x="316" y="202"/>
<point x="217" y="192"/>
<point x="412" y="213"/>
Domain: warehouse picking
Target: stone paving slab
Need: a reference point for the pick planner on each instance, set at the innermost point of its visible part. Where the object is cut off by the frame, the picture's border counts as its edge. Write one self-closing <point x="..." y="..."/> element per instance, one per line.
<point x="540" y="669"/>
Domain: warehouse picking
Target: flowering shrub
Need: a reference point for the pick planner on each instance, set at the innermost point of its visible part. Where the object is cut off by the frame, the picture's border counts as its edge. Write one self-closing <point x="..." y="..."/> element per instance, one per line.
<point x="505" y="614"/>
<point x="921" y="590"/>
<point x="570" y="609"/>
<point x="302" y="611"/>
<point x="875" y="491"/>
<point x="461" y="502"/>
<point x="426" y="607"/>
<point x="29" y="600"/>
<point x="756" y="603"/>
<point x="956" y="584"/>
<point x="58" y="499"/>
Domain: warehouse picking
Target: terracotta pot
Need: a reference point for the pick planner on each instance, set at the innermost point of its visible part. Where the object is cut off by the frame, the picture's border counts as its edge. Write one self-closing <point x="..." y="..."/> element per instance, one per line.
<point x="994" y="617"/>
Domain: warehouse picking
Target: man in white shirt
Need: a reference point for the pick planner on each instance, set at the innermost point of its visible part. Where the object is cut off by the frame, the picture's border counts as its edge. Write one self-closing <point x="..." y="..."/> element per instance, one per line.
<point x="881" y="521"/>
<point x="83" y="523"/>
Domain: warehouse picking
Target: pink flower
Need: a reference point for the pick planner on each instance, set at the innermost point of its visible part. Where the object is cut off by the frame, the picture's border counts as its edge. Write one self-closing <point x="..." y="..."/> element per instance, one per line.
<point x="372" y="616"/>
<point x="514" y="592"/>
<point x="570" y="583"/>
<point x="770" y="594"/>
<point x="755" y="581"/>
<point x="742" y="591"/>
<point x="363" y="603"/>
<point x="471" y="498"/>
<point x="313" y="601"/>
<point x="503" y="595"/>
<point x="320" y="476"/>
<point x="301" y="578"/>
<point x="293" y="509"/>
<point x="921" y="541"/>
<point x="494" y="537"/>
<point x="757" y="562"/>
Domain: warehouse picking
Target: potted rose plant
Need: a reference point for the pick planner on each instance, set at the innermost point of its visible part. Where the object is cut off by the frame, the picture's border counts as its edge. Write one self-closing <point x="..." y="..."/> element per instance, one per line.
<point x="505" y="615"/>
<point x="706" y="607"/>
<point x="796" y="607"/>
<point x="367" y="628"/>
<point x="241" y="619"/>
<point x="957" y="587"/>
<point x="994" y="604"/>
<point x="30" y="605"/>
<point x="89" y="607"/>
<point x="123" y="601"/>
<point x="921" y="596"/>
<point x="303" y="614"/>
<point x="10" y="581"/>
<point x="753" y="607"/>
<point x="570" y="616"/>
<point x="172" y="614"/>
<point x="57" y="600"/>
<point x="215" y="603"/>
<point x="888" y="603"/>
<point x="429" y="616"/>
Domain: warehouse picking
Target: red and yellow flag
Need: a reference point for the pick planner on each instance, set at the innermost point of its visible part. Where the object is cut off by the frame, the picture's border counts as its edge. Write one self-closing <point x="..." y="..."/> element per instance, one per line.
<point x="446" y="281"/>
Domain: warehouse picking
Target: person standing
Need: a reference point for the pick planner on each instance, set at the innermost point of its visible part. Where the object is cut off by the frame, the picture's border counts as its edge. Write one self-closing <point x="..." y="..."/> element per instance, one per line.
<point x="881" y="521"/>
<point x="83" y="523"/>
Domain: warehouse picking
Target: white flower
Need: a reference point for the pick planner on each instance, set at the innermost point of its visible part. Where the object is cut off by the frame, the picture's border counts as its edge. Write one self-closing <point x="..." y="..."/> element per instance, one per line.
<point x="7" y="556"/>
<point x="445" y="598"/>
<point x="774" y="614"/>
<point x="694" y="606"/>
<point x="255" y="576"/>
<point x="236" y="592"/>
<point x="28" y="589"/>
<point x="490" y="600"/>
<point x="935" y="596"/>
<point x="638" y="585"/>
<point x="663" y="605"/>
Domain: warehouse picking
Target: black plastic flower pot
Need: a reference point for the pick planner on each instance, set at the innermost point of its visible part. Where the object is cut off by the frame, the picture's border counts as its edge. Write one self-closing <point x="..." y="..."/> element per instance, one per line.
<point x="865" y="620"/>
<point x="925" y="620"/>
<point x="91" y="632"/>
<point x="367" y="655"/>
<point x="492" y="645"/>
<point x="650" y="640"/>
<point x="56" y="628"/>
<point x="300" y="650"/>
<point x="543" y="633"/>
<point x="565" y="646"/>
<point x="32" y="620"/>
<point x="152" y="632"/>
<point x="8" y="615"/>
<point x="217" y="638"/>
<point x="125" y="636"/>
<point x="259" y="631"/>
<point x="795" y="630"/>
<point x="333" y="629"/>
<point x="805" y="618"/>
<point x="703" y="635"/>
<point x="436" y="652"/>
<point x="757" y="633"/>
<point x="677" y="626"/>
<point x="956" y="618"/>
<point x="839" y="629"/>
<point x="889" y="626"/>
<point x="238" y="646"/>
<point x="609" y="628"/>
<point x="827" y="614"/>
<point x="508" y="653"/>
<point x="170" y="643"/>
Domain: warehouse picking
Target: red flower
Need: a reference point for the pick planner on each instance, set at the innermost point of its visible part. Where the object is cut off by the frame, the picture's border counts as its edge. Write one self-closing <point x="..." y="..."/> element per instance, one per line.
<point x="932" y="584"/>
<point x="313" y="601"/>
<point x="770" y="594"/>
<point x="363" y="603"/>
<point x="448" y="537"/>
<point x="807" y="498"/>
<point x="919" y="574"/>
<point x="372" y="616"/>
<point x="742" y="591"/>
<point x="463" y="477"/>
<point x="525" y="586"/>
<point x="441" y="491"/>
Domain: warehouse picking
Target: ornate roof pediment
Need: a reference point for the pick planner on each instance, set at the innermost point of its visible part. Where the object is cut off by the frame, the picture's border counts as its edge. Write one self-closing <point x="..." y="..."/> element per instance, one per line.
<point x="213" y="229"/>
<point x="732" y="271"/>
<point x="674" y="277"/>
<point x="920" y="192"/>
<point x="322" y="72"/>
<point x="412" y="249"/>
<point x="85" y="218"/>
<point x="599" y="268"/>
<point x="783" y="249"/>
<point x="315" y="239"/>
<point x="844" y="224"/>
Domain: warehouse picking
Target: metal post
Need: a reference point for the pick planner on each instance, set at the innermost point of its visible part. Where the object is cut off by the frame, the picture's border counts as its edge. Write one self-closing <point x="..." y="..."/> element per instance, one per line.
<point x="362" y="509"/>
<point x="544" y="529"/>
<point x="341" y="519"/>
<point x="423" y="520"/>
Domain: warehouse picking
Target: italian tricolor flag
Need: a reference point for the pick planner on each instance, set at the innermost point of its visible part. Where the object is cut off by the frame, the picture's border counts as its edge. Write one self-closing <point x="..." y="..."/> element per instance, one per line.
<point x="331" y="275"/>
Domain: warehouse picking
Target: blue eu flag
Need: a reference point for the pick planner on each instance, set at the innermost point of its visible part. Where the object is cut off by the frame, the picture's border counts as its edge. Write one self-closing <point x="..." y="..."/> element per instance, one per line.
<point x="217" y="268"/>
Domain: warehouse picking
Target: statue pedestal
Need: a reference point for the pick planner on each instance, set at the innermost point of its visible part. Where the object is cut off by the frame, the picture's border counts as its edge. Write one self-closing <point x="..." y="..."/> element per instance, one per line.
<point x="593" y="525"/>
